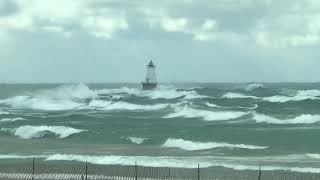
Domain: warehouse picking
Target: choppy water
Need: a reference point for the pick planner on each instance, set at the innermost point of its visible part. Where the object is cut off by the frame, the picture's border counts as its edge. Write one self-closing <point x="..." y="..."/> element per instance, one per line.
<point x="236" y="126"/>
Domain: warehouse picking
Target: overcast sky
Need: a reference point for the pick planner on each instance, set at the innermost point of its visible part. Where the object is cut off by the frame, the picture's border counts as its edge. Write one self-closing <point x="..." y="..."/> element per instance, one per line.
<point x="189" y="40"/>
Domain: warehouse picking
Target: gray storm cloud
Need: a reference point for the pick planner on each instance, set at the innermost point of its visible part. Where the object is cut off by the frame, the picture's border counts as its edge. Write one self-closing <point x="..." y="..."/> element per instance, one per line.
<point x="191" y="41"/>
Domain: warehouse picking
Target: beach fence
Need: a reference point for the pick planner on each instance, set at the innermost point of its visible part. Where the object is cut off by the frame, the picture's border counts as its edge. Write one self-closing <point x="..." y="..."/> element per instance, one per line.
<point x="44" y="170"/>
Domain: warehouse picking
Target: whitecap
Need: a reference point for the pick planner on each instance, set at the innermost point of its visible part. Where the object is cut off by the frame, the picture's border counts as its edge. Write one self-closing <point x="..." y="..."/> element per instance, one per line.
<point x="121" y="105"/>
<point x="301" y="119"/>
<point x="170" y="161"/>
<point x="314" y="156"/>
<point x="254" y="86"/>
<point x="176" y="162"/>
<point x="212" y="105"/>
<point x="4" y="112"/>
<point x="12" y="119"/>
<point x="28" y="132"/>
<point x="231" y="95"/>
<point x="194" y="146"/>
<point x="300" y="95"/>
<point x="61" y="98"/>
<point x="27" y="102"/>
<point x="188" y="112"/>
<point x="76" y="91"/>
<point x="163" y="92"/>
<point x="137" y="140"/>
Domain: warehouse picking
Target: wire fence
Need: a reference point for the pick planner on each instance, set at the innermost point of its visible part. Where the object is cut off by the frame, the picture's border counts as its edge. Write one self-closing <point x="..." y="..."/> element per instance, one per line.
<point x="43" y="170"/>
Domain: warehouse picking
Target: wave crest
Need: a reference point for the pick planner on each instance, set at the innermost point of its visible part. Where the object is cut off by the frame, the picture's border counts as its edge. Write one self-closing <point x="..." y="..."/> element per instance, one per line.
<point x="231" y="95"/>
<point x="28" y="132"/>
<point x="163" y="92"/>
<point x="254" y="86"/>
<point x="136" y="140"/>
<point x="300" y="95"/>
<point x="194" y="146"/>
<point x="109" y="105"/>
<point x="302" y="119"/>
<point x="188" y="112"/>
<point x="12" y="119"/>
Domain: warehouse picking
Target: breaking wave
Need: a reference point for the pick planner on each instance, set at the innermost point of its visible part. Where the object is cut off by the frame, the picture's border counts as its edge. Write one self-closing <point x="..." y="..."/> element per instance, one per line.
<point x="314" y="156"/>
<point x="109" y="105"/>
<point x="212" y="105"/>
<point x="194" y="146"/>
<point x="165" y="161"/>
<point x="65" y="97"/>
<point x="28" y="102"/>
<point x="12" y="119"/>
<point x="137" y="140"/>
<point x="231" y="95"/>
<point x="28" y="132"/>
<point x="302" y="119"/>
<point x="251" y="87"/>
<point x="163" y="92"/>
<point x="300" y="95"/>
<point x="4" y="112"/>
<point x="188" y="112"/>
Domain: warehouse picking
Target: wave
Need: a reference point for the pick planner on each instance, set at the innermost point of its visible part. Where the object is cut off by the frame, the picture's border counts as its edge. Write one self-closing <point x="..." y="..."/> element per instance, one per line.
<point x="255" y="106"/>
<point x="212" y="105"/>
<point x="254" y="86"/>
<point x="231" y="95"/>
<point x="65" y="97"/>
<point x="300" y="95"/>
<point x="188" y="112"/>
<point x="137" y="140"/>
<point x="163" y="92"/>
<point x="28" y="132"/>
<point x="302" y="119"/>
<point x="165" y="161"/>
<point x="109" y="105"/>
<point x="314" y="156"/>
<point x="12" y="119"/>
<point x="28" y="102"/>
<point x="194" y="146"/>
<point x="4" y="112"/>
<point x="77" y="91"/>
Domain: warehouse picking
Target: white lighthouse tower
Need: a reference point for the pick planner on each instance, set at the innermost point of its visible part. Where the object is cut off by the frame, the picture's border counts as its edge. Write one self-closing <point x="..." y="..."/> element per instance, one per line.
<point x="151" y="77"/>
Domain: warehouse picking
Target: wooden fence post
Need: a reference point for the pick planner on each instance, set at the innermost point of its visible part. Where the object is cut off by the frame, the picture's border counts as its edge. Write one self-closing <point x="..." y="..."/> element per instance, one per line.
<point x="259" y="175"/>
<point x="86" y="170"/>
<point x="33" y="164"/>
<point x="136" y="170"/>
<point x="198" y="171"/>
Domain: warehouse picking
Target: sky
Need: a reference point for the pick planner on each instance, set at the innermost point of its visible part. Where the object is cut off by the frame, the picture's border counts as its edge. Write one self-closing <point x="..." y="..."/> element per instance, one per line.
<point x="70" y="41"/>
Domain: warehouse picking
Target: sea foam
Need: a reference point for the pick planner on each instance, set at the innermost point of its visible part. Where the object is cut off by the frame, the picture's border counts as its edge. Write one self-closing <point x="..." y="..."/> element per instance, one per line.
<point x="12" y="119"/>
<point x="121" y="105"/>
<point x="188" y="112"/>
<point x="300" y="95"/>
<point x="61" y="98"/>
<point x="167" y="161"/>
<point x="301" y="119"/>
<point x="231" y="95"/>
<point x="137" y="140"/>
<point x="194" y="146"/>
<point x="163" y="92"/>
<point x="28" y="132"/>
<point x="28" y="102"/>
<point x="254" y="86"/>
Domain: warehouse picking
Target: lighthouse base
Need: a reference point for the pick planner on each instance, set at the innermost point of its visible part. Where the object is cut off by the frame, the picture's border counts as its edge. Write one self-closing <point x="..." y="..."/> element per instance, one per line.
<point x="149" y="86"/>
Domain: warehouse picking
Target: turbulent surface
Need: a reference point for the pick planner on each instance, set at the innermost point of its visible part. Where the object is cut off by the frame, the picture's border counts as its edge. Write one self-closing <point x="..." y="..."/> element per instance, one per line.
<point x="236" y="126"/>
